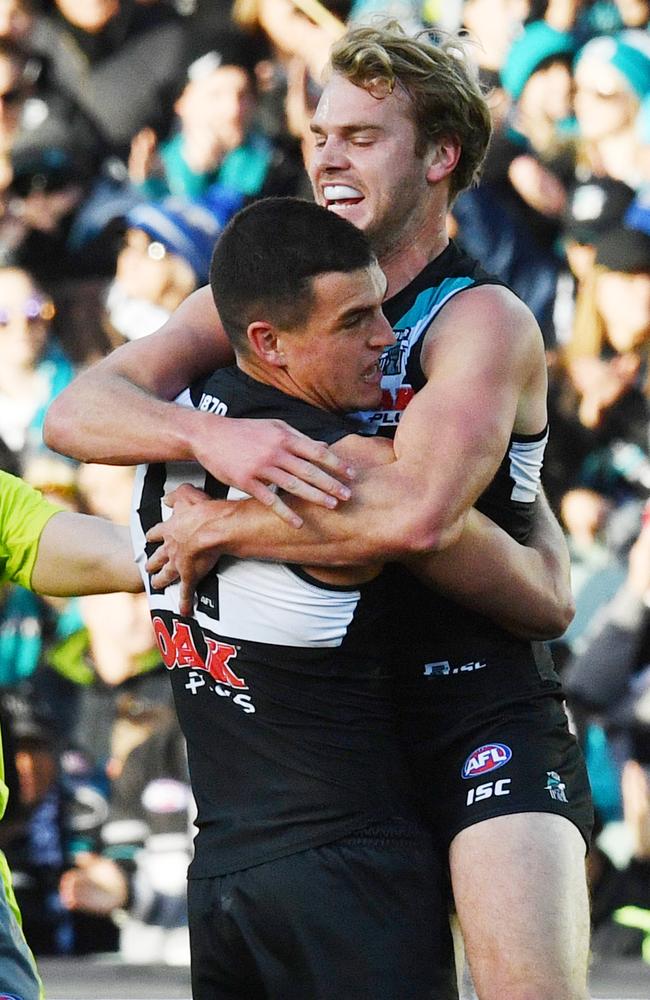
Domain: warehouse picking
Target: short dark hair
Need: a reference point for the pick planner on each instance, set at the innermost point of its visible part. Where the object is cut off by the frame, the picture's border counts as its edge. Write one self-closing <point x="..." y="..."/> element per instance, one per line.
<point x="267" y="255"/>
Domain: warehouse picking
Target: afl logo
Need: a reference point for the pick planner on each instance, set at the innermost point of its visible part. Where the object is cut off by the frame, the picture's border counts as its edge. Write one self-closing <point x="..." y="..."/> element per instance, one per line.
<point x="486" y="758"/>
<point x="8" y="996"/>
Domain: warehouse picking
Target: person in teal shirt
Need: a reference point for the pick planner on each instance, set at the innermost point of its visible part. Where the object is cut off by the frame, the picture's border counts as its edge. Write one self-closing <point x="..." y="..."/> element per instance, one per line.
<point x="216" y="146"/>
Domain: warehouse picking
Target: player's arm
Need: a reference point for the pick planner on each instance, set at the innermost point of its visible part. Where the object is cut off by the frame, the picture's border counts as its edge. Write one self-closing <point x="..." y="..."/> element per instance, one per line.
<point x="526" y="589"/>
<point x="451" y="440"/>
<point x="486" y="375"/>
<point x="84" y="554"/>
<point x="119" y="412"/>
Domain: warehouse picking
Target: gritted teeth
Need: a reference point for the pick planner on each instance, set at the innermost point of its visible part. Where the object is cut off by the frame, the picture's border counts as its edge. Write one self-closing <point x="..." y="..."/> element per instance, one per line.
<point x="341" y="192"/>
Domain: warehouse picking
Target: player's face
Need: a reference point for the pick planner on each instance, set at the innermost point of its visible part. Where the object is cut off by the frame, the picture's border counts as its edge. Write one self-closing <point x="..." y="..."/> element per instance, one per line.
<point x="364" y="166"/>
<point x="333" y="359"/>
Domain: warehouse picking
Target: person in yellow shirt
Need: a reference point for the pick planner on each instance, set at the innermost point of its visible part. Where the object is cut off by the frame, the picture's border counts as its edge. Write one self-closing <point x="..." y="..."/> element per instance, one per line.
<point x="61" y="553"/>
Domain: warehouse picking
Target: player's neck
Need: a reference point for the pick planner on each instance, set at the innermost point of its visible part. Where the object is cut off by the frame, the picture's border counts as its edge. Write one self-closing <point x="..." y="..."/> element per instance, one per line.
<point x="401" y="264"/>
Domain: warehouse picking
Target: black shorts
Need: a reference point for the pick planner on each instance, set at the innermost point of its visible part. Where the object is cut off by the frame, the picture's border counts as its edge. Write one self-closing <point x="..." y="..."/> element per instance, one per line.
<point x="487" y="735"/>
<point x="357" y="919"/>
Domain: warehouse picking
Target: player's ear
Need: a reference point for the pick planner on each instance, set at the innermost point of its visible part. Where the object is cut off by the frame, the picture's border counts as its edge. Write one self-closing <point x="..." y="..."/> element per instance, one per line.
<point x="442" y="158"/>
<point x="263" y="338"/>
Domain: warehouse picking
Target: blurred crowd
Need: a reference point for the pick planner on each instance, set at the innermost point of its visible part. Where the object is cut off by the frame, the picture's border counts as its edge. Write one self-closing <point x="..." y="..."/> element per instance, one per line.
<point x="130" y="131"/>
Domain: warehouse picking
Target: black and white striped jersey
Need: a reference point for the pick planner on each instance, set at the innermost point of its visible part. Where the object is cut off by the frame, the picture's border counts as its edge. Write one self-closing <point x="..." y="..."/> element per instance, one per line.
<point x="282" y="684"/>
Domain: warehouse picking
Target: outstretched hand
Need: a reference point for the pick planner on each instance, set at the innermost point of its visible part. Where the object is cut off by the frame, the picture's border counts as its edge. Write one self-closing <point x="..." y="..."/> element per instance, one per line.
<point x="260" y="456"/>
<point x="181" y="555"/>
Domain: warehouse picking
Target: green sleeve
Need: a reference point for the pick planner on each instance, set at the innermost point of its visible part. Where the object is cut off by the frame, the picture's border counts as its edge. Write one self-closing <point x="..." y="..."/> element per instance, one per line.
<point x="23" y="514"/>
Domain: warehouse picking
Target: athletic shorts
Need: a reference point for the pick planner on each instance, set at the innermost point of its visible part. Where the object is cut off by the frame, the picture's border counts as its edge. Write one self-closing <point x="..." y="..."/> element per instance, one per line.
<point x="487" y="735"/>
<point x="18" y="976"/>
<point x="357" y="919"/>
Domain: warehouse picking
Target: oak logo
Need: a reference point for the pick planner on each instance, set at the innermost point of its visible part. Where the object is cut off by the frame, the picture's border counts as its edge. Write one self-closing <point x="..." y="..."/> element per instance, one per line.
<point x="178" y="649"/>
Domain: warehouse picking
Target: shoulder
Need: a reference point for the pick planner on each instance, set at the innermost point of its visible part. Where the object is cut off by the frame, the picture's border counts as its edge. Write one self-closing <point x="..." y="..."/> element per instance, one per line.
<point x="485" y="318"/>
<point x="486" y="332"/>
<point x="488" y="305"/>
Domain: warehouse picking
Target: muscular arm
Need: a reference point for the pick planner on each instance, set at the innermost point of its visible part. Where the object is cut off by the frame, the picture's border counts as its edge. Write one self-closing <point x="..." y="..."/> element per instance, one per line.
<point x="119" y="412"/>
<point x="113" y="414"/>
<point x="451" y="440"/>
<point x="82" y="554"/>
<point x="526" y="589"/>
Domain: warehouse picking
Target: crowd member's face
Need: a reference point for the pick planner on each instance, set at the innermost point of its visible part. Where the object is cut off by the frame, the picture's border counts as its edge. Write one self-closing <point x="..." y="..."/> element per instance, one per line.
<point x="364" y="166"/>
<point x="89" y="15"/>
<point x="15" y="19"/>
<point x="604" y="105"/>
<point x="13" y="94"/>
<point x="492" y="25"/>
<point x="24" y="318"/>
<point x="145" y="269"/>
<point x="623" y="301"/>
<point x="333" y="359"/>
<point x="635" y="13"/>
<point x="219" y="105"/>
<point x="548" y="93"/>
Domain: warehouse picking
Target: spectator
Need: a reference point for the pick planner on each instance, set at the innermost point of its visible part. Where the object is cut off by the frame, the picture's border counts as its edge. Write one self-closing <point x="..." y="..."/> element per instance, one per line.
<point x="46" y="164"/>
<point x="164" y="256"/>
<point x="607" y="685"/>
<point x="612" y="77"/>
<point x="33" y="839"/>
<point x="118" y="59"/>
<point x="596" y="569"/>
<point x="594" y="207"/>
<point x="512" y="219"/>
<point x="119" y="643"/>
<point x="33" y="368"/>
<point x="598" y="393"/>
<point x="215" y="141"/>
<point x="138" y="874"/>
<point x="494" y="26"/>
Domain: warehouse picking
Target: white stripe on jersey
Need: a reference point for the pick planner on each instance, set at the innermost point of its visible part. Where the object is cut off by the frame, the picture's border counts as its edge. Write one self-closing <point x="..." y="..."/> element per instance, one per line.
<point x="258" y="601"/>
<point x="526" y="458"/>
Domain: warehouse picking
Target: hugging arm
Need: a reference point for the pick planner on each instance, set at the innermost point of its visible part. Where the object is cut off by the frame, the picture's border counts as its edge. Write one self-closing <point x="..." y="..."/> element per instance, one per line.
<point x="119" y="412"/>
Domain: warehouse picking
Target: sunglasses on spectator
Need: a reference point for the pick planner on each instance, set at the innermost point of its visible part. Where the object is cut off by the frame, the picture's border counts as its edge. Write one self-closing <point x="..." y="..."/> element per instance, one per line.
<point x="34" y="310"/>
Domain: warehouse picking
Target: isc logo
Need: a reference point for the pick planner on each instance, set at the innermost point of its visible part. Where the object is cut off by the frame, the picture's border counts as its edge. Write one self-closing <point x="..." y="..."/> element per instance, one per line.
<point x="487" y="790"/>
<point x="486" y="758"/>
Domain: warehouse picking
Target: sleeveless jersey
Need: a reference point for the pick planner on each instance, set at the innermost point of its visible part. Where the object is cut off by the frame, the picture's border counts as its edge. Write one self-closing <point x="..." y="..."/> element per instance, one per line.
<point x="509" y="499"/>
<point x="282" y="683"/>
<point x="443" y="634"/>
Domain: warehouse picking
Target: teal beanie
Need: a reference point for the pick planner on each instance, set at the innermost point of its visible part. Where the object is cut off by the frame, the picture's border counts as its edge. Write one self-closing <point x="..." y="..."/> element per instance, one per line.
<point x="625" y="53"/>
<point x="537" y="43"/>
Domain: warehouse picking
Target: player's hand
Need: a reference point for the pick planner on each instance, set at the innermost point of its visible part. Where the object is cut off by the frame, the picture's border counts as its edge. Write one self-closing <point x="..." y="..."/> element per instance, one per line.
<point x="183" y="553"/>
<point x="260" y="456"/>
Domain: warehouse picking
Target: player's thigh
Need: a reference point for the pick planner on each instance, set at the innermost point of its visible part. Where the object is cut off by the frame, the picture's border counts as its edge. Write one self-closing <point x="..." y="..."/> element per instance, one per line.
<point x="357" y="919"/>
<point x="18" y="975"/>
<point x="509" y="796"/>
<point x="521" y="897"/>
<point x="513" y="756"/>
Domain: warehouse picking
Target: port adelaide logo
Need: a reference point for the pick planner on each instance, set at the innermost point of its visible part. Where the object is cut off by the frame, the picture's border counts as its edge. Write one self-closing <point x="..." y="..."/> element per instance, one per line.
<point x="485" y="759"/>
